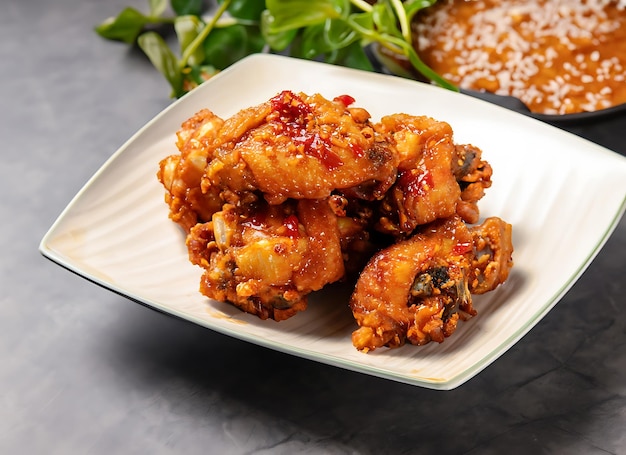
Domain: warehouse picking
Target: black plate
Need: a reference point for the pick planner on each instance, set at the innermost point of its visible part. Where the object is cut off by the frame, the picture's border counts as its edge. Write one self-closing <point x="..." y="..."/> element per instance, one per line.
<point x="606" y="127"/>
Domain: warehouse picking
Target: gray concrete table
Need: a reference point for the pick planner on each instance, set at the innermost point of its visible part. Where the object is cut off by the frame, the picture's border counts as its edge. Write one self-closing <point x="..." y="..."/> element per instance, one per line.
<point x="85" y="371"/>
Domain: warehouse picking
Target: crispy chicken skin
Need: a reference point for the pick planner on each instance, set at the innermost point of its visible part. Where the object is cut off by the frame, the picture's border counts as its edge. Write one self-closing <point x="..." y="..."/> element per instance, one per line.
<point x="182" y="174"/>
<point x="265" y="259"/>
<point x="302" y="147"/>
<point x="415" y="289"/>
<point x="473" y="175"/>
<point x="418" y="289"/>
<point x="493" y="255"/>
<point x="300" y="191"/>
<point x="436" y="178"/>
<point x="426" y="188"/>
<point x="284" y="159"/>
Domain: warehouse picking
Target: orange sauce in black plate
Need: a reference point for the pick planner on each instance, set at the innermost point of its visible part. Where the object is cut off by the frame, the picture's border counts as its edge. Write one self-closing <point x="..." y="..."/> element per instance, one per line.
<point x="557" y="56"/>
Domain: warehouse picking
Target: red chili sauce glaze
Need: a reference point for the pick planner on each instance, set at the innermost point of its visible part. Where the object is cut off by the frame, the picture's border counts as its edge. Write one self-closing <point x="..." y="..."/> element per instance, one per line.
<point x="288" y="226"/>
<point x="291" y="224"/>
<point x="417" y="182"/>
<point x="292" y="120"/>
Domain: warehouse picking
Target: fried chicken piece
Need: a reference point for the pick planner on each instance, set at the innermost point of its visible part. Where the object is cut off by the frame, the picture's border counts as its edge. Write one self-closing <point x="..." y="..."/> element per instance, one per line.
<point x="415" y="288"/>
<point x="493" y="255"/>
<point x="436" y="177"/>
<point x="290" y="195"/>
<point x="265" y="259"/>
<point x="355" y="218"/>
<point x="473" y="175"/>
<point x="418" y="289"/>
<point x="426" y="188"/>
<point x="302" y="147"/>
<point x="181" y="174"/>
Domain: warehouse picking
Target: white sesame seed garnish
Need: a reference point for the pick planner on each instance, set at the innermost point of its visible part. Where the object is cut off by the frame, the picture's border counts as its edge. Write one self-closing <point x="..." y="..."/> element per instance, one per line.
<point x="557" y="56"/>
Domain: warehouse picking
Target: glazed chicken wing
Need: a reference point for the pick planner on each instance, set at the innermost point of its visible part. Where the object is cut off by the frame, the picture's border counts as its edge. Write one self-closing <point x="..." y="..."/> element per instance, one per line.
<point x="414" y="289"/>
<point x="426" y="188"/>
<point x="303" y="147"/>
<point x="418" y="289"/>
<point x="265" y="259"/>
<point x="436" y="178"/>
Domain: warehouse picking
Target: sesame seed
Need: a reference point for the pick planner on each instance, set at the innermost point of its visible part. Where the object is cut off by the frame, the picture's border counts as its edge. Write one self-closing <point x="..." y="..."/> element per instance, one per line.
<point x="558" y="56"/>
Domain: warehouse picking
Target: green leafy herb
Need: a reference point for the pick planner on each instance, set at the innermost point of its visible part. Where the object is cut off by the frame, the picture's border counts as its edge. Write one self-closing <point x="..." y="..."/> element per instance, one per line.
<point x="187" y="7"/>
<point x="126" y="26"/>
<point x="162" y="58"/>
<point x="335" y="31"/>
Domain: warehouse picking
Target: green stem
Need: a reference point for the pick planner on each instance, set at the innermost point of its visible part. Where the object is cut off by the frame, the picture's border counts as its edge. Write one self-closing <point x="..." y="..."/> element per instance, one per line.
<point x="427" y="71"/>
<point x="409" y="52"/>
<point x="362" y="5"/>
<point x="198" y="40"/>
<point x="405" y="27"/>
<point x="400" y="46"/>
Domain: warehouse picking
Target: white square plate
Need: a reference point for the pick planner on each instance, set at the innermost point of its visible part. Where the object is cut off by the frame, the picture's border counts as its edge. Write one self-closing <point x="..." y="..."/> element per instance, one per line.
<point x="563" y="195"/>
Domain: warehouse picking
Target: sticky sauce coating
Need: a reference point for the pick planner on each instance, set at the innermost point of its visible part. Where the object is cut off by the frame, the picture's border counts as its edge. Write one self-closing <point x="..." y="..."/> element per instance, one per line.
<point x="557" y="56"/>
